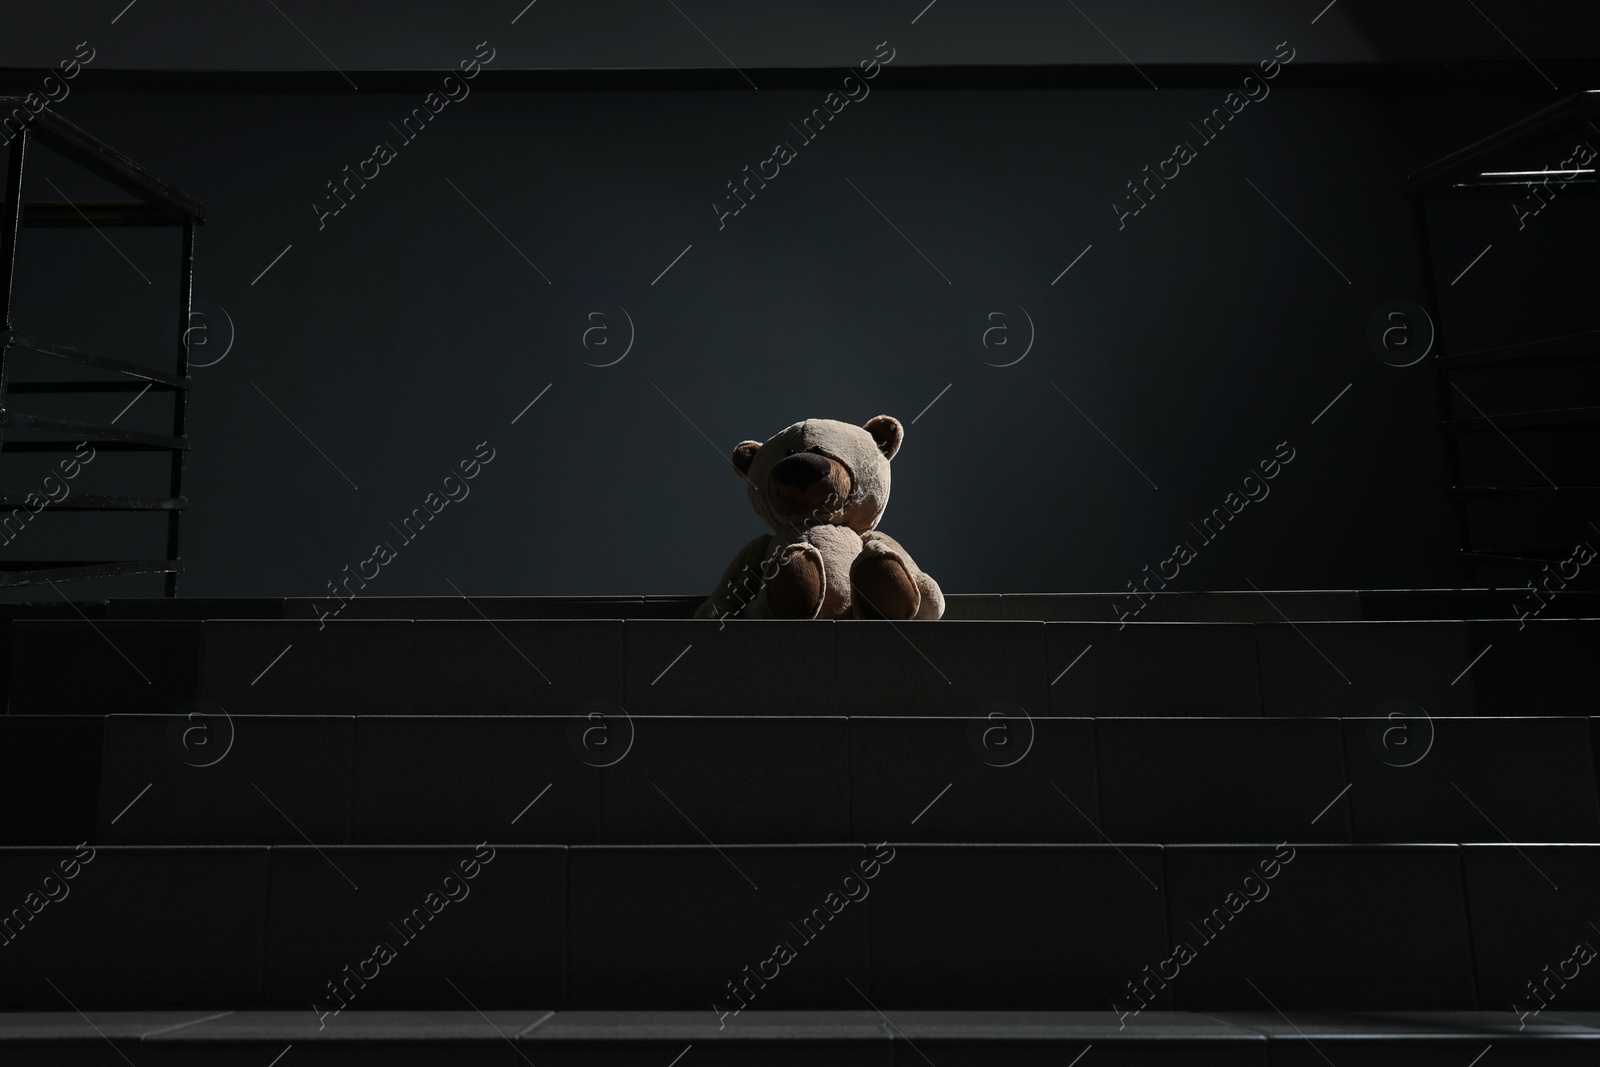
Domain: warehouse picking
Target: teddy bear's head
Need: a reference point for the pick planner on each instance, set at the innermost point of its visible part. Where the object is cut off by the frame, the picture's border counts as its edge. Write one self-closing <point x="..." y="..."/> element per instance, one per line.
<point x="821" y="472"/>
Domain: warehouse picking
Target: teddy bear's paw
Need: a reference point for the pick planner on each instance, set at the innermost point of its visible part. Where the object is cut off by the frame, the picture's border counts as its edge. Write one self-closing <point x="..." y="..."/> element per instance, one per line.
<point x="797" y="589"/>
<point x="882" y="588"/>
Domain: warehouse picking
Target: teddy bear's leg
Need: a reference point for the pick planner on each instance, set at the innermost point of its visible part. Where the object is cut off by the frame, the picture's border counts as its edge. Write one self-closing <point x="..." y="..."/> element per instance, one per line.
<point x="797" y="586"/>
<point x="930" y="598"/>
<point x="882" y="583"/>
<point x="932" y="606"/>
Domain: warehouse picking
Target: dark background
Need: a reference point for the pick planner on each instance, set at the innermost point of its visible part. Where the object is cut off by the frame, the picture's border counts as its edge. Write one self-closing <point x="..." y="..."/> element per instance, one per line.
<point x="409" y="330"/>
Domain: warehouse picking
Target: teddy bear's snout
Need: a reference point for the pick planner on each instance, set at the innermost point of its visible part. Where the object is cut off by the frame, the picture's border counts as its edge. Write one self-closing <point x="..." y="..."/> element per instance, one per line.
<point x="801" y="469"/>
<point x="810" y="482"/>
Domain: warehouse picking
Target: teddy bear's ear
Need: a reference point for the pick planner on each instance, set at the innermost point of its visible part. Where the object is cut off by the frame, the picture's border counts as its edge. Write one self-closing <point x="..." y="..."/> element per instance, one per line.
<point x="744" y="454"/>
<point x="887" y="431"/>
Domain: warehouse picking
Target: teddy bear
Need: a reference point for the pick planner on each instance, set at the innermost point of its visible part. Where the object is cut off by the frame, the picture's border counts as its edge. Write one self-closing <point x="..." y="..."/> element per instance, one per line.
<point x="822" y="486"/>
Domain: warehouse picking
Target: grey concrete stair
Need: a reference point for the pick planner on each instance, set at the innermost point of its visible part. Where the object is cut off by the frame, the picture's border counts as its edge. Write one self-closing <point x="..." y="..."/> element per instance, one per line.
<point x="1271" y="830"/>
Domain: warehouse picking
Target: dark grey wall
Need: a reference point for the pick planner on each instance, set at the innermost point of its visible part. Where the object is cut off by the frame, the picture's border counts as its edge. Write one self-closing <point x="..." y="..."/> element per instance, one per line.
<point x="1215" y="324"/>
<point x="409" y="329"/>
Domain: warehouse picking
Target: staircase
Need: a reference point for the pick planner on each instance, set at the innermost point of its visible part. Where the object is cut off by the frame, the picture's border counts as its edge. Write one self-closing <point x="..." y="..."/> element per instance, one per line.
<point x="64" y="392"/>
<point x="1290" y="828"/>
<point x="1516" y="519"/>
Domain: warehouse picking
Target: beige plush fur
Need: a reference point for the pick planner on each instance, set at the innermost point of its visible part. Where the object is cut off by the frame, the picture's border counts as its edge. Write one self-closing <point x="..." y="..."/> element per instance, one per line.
<point x="823" y="506"/>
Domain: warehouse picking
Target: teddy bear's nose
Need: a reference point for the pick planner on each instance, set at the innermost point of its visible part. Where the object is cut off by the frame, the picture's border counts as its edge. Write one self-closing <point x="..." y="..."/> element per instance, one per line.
<point x="801" y="469"/>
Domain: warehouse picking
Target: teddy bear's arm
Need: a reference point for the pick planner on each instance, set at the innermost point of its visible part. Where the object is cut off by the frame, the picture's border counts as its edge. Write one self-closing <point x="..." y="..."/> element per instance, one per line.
<point x="740" y="582"/>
